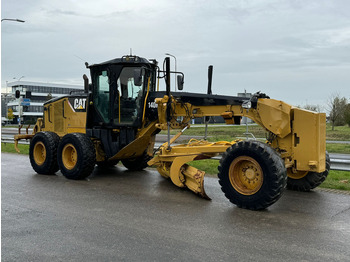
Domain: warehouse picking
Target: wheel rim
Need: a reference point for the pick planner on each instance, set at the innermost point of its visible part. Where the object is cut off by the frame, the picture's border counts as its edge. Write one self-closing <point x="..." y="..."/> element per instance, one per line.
<point x="246" y="175"/>
<point x="39" y="153"/>
<point x="69" y="156"/>
<point x="296" y="174"/>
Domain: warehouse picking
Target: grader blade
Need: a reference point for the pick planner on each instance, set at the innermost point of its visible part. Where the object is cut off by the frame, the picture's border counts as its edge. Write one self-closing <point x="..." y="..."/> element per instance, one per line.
<point x="194" y="180"/>
<point x="183" y="175"/>
<point x="180" y="173"/>
<point x="173" y="163"/>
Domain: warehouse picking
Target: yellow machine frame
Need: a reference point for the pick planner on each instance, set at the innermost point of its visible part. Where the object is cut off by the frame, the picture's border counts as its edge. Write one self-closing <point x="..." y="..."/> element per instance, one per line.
<point x="80" y="130"/>
<point x="297" y="135"/>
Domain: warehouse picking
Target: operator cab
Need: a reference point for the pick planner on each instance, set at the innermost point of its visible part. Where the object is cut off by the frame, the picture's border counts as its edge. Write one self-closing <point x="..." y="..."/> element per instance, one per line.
<point x="117" y="97"/>
<point x="119" y="91"/>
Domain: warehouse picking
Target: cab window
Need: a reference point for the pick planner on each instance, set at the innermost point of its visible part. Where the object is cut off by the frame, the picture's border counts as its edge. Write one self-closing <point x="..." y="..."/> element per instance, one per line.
<point x="101" y="95"/>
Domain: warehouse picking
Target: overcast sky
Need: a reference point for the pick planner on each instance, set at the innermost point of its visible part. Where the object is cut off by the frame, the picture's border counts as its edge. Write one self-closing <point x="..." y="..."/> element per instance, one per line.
<point x="293" y="50"/>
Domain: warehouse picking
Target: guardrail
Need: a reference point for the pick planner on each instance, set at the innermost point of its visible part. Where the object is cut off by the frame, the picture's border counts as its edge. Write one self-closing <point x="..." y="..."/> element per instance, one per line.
<point x="9" y="139"/>
<point x="340" y="164"/>
<point x="336" y="164"/>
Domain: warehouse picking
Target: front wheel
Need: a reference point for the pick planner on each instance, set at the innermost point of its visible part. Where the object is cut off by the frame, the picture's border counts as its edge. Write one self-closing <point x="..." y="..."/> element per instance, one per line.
<point x="252" y="175"/>
<point x="76" y="156"/>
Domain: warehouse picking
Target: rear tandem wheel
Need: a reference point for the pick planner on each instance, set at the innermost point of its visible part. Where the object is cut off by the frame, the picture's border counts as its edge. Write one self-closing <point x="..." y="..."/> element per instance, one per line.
<point x="252" y="175"/>
<point x="43" y="153"/>
<point x="76" y="156"/>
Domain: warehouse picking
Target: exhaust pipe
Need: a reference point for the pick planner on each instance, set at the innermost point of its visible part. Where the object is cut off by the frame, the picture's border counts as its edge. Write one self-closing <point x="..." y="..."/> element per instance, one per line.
<point x="86" y="84"/>
<point x="167" y="81"/>
<point x="209" y="92"/>
<point x="210" y="79"/>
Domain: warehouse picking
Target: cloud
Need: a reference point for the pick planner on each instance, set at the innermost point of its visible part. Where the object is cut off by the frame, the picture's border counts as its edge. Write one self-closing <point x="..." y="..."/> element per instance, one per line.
<point x="61" y="12"/>
<point x="273" y="46"/>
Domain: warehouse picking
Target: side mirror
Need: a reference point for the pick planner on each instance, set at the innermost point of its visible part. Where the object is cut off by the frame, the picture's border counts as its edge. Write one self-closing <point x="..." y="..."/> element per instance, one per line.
<point x="180" y="82"/>
<point x="138" y="76"/>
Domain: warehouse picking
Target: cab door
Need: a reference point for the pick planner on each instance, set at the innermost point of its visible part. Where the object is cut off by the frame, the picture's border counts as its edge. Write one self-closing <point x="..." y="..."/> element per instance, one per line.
<point x="102" y="95"/>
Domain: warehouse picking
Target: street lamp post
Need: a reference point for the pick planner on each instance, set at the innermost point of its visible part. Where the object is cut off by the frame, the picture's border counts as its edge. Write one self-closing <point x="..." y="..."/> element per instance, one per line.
<point x="14" y="20"/>
<point x="175" y="67"/>
<point x="19" y="112"/>
<point x="19" y="100"/>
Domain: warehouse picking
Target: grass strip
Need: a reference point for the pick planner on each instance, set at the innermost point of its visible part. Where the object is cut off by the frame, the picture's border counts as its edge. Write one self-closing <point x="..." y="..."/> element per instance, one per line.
<point x="10" y="148"/>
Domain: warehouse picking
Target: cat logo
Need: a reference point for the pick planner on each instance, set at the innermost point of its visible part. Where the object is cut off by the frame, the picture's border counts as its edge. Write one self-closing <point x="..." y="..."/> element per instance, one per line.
<point x="78" y="104"/>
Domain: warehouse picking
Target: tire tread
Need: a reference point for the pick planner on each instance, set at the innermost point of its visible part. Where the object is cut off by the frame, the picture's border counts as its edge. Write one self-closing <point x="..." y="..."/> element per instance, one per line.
<point x="50" y="141"/>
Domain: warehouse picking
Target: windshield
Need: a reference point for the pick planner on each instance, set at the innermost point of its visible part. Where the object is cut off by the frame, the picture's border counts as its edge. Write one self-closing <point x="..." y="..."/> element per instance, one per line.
<point x="129" y="95"/>
<point x="119" y="93"/>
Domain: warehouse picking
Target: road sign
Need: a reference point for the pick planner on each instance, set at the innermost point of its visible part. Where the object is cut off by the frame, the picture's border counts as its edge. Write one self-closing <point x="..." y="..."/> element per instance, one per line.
<point x="25" y="104"/>
<point x="26" y="99"/>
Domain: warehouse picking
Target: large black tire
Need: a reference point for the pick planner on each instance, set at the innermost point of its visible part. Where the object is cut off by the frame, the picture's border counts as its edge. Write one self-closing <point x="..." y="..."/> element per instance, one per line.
<point x="43" y="153"/>
<point x="137" y="163"/>
<point x="311" y="180"/>
<point x="252" y="175"/>
<point x="76" y="156"/>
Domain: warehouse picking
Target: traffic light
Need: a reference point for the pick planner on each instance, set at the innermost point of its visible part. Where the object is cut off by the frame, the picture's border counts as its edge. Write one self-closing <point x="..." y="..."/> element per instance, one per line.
<point x="18" y="93"/>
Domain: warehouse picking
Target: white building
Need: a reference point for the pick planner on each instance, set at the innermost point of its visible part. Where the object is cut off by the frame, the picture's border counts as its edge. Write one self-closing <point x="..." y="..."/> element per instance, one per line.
<point x="36" y="94"/>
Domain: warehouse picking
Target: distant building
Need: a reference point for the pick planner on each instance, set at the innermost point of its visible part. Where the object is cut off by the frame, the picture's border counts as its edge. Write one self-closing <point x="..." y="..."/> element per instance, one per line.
<point x="36" y="94"/>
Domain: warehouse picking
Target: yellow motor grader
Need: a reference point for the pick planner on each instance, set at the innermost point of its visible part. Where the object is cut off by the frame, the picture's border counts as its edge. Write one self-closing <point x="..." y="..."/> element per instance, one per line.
<point x="121" y="111"/>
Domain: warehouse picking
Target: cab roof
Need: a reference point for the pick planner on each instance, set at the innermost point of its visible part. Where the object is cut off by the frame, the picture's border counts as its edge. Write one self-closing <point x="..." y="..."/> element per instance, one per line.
<point x="123" y="60"/>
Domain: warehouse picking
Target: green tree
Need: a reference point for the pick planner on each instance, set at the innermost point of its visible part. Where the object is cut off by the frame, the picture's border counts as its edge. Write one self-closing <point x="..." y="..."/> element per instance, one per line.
<point x="347" y="115"/>
<point x="10" y="114"/>
<point x="336" y="109"/>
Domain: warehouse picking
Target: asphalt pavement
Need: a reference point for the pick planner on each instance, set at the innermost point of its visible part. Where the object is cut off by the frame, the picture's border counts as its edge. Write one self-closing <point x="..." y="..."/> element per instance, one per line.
<point x="117" y="215"/>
